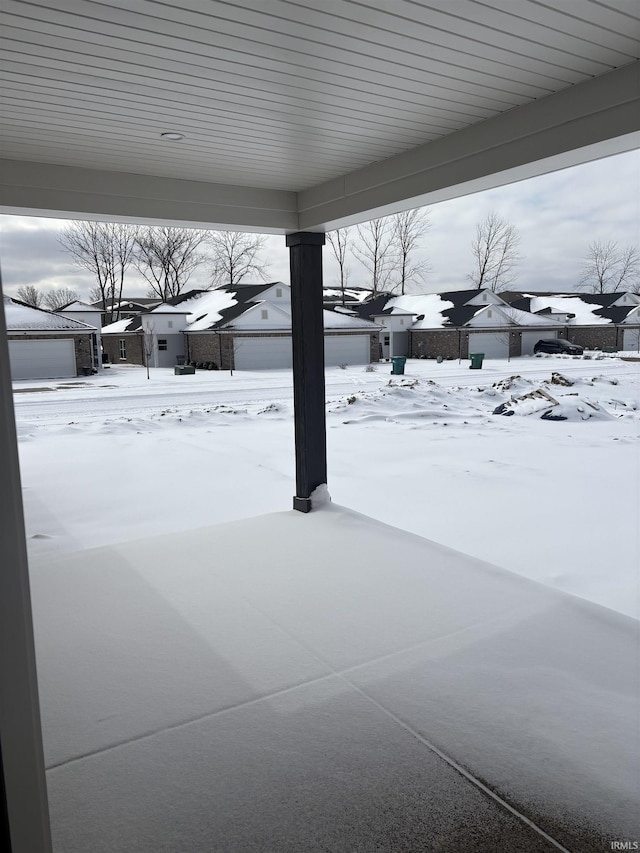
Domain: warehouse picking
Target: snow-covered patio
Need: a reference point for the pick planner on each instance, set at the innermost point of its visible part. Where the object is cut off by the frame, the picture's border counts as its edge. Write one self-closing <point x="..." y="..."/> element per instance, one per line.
<point x="328" y="682"/>
<point x="325" y="682"/>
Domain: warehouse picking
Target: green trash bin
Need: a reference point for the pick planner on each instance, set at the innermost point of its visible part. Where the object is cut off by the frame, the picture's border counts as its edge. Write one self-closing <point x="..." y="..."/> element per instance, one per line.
<point x="476" y="360"/>
<point x="397" y="364"/>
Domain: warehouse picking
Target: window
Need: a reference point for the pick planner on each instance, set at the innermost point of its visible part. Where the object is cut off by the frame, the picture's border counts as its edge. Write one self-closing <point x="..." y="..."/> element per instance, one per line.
<point x="265" y="314"/>
<point x="170" y="324"/>
<point x="489" y="313"/>
<point x="402" y="322"/>
<point x="162" y="343"/>
<point x="278" y="291"/>
<point x="122" y="344"/>
<point x="385" y="340"/>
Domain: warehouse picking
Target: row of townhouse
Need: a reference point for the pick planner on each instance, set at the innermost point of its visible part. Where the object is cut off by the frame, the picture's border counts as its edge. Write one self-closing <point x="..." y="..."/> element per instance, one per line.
<point x="248" y="327"/>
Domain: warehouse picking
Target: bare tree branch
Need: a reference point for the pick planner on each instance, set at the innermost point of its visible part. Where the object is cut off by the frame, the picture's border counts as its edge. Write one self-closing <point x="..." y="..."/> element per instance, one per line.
<point x="30" y="295"/>
<point x="105" y="250"/>
<point x="608" y="269"/>
<point x="167" y="256"/>
<point x="408" y="228"/>
<point x="235" y="256"/>
<point x="495" y="252"/>
<point x="57" y="299"/>
<point x="375" y="251"/>
<point x="339" y="244"/>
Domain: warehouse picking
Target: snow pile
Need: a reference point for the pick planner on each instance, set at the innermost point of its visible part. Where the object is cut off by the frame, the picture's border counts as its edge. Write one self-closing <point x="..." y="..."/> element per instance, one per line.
<point x="557" y="407"/>
<point x="412" y="401"/>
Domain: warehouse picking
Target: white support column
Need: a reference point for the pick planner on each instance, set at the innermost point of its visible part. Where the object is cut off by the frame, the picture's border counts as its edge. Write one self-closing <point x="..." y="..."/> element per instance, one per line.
<point x="24" y="816"/>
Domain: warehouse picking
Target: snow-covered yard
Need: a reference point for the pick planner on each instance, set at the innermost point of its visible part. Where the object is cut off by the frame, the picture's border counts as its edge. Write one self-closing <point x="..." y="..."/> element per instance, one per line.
<point x="328" y="682"/>
<point x="117" y="457"/>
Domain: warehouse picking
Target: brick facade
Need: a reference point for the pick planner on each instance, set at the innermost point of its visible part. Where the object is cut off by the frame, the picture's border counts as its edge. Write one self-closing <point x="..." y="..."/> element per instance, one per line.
<point x="431" y="343"/>
<point x="82" y="345"/>
<point x="593" y="337"/>
<point x="203" y="348"/>
<point x="454" y="343"/>
<point x="133" y="346"/>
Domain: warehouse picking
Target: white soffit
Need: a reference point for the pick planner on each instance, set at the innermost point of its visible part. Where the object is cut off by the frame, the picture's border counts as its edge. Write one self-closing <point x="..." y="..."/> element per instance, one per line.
<point x="299" y="114"/>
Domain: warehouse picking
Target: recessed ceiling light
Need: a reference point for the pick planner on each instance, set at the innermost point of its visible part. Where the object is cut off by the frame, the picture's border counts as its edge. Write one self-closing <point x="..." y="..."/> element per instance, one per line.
<point x="172" y="137"/>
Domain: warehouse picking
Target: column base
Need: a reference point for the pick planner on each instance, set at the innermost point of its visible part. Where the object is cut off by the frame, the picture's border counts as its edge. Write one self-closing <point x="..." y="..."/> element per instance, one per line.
<point x="302" y="504"/>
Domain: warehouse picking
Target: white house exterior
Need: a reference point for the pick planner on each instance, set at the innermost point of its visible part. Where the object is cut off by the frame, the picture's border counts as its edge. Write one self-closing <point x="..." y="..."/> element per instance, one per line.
<point x="246" y="327"/>
<point x="163" y="341"/>
<point x="91" y="316"/>
<point x="47" y="345"/>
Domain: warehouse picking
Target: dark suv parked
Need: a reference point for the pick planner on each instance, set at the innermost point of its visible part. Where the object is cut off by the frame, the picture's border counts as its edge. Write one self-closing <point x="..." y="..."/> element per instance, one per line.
<point x="558" y="345"/>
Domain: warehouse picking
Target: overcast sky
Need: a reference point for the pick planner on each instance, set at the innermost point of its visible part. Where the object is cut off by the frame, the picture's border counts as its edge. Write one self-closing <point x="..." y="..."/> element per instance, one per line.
<point x="557" y="215"/>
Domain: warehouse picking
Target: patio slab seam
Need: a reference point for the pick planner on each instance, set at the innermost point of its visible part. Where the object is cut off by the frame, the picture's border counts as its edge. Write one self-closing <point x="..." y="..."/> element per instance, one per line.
<point x="451" y="762"/>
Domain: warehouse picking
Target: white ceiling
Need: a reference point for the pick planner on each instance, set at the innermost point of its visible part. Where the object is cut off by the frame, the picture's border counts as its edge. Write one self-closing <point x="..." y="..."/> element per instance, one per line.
<point x="279" y="95"/>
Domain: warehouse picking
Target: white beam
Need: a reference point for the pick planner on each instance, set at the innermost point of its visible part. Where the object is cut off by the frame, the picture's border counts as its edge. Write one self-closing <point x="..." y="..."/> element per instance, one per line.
<point x="65" y="192"/>
<point x="585" y="122"/>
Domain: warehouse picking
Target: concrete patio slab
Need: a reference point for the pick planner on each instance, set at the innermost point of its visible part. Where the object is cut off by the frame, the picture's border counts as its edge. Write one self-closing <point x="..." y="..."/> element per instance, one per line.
<point x="325" y="682"/>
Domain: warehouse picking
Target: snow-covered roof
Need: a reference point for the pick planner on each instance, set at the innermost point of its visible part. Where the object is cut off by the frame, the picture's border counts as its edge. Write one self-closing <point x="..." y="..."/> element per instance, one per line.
<point x="226" y="307"/>
<point x="24" y="318"/>
<point x="352" y="294"/>
<point x="119" y="326"/>
<point x="205" y="309"/>
<point x="78" y="305"/>
<point x="431" y="305"/>
<point x="165" y="308"/>
<point x="337" y="320"/>
<point x="583" y="310"/>
<point x="525" y="318"/>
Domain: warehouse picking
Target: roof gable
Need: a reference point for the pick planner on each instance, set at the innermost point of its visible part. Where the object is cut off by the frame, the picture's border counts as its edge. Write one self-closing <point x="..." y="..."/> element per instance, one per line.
<point x="25" y="318"/>
<point x="262" y="314"/>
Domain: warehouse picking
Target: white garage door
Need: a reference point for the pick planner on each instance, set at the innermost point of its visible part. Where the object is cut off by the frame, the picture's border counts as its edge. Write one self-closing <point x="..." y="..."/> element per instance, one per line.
<point x="53" y="359"/>
<point x="264" y="353"/>
<point x="261" y="353"/>
<point x="530" y="339"/>
<point x="492" y="344"/>
<point x="346" y="349"/>
<point x="631" y="339"/>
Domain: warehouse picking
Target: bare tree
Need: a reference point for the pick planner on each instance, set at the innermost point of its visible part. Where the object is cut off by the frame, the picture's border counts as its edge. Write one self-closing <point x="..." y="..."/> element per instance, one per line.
<point x="167" y="256"/>
<point x="30" y="295"/>
<point x="495" y="252"/>
<point x="60" y="298"/>
<point x="375" y="251"/>
<point x="339" y="244"/>
<point x="608" y="269"/>
<point x="95" y="295"/>
<point x="148" y="334"/>
<point x="105" y="250"/>
<point x="235" y="256"/>
<point x="408" y="228"/>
